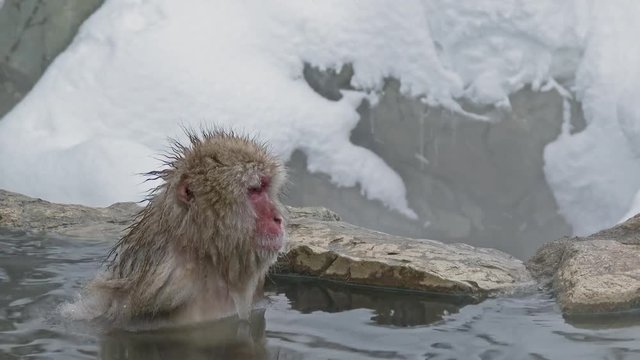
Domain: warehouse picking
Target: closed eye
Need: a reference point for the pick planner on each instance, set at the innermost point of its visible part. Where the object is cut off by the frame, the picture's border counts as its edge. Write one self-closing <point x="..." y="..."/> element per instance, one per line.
<point x="264" y="184"/>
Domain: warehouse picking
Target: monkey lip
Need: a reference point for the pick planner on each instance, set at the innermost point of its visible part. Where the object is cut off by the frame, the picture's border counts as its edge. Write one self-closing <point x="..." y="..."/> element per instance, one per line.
<point x="270" y="243"/>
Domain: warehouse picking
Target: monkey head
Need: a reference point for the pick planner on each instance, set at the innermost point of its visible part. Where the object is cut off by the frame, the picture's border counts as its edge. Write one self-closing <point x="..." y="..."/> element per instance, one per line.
<point x="229" y="187"/>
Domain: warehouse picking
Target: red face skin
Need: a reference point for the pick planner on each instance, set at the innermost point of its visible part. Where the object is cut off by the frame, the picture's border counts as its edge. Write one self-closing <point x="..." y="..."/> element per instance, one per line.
<point x="269" y="224"/>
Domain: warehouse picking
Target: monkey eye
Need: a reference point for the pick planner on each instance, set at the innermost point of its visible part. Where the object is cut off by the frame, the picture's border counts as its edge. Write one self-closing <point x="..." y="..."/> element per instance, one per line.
<point x="264" y="184"/>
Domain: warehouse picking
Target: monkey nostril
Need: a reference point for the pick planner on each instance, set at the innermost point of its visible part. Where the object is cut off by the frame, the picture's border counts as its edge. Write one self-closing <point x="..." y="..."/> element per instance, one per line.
<point x="277" y="220"/>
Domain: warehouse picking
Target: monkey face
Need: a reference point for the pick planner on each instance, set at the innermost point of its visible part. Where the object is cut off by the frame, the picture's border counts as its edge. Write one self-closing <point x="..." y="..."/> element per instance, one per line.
<point x="269" y="227"/>
<point x="238" y="183"/>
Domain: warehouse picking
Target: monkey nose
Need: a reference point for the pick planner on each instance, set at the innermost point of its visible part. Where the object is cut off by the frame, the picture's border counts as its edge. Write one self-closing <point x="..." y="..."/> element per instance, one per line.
<point x="277" y="220"/>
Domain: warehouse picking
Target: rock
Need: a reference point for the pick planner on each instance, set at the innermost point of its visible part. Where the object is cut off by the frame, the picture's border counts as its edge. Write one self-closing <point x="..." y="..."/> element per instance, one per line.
<point x="32" y="34"/>
<point x="340" y="251"/>
<point x="480" y="182"/>
<point x="317" y="213"/>
<point x="595" y="274"/>
<point x="320" y="245"/>
<point x="21" y="212"/>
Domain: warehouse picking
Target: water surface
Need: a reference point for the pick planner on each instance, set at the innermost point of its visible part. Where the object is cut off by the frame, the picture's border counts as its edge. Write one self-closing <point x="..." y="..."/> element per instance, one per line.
<point x="301" y="319"/>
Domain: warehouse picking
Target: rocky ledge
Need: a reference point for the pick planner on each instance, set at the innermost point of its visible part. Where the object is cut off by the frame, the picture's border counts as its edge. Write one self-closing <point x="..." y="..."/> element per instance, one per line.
<point x="320" y="245"/>
<point x="599" y="273"/>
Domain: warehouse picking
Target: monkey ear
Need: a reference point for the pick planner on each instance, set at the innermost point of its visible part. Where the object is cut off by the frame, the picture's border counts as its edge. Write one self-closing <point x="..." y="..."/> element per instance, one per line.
<point x="183" y="192"/>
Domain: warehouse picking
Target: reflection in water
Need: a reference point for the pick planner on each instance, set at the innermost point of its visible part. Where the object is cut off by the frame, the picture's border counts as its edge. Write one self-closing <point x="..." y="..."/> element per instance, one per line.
<point x="606" y="320"/>
<point x="224" y="339"/>
<point x="233" y="339"/>
<point x="302" y="319"/>
<point x="396" y="308"/>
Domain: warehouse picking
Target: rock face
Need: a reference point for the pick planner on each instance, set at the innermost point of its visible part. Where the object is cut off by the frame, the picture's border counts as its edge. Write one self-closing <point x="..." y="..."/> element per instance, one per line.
<point x="595" y="274"/>
<point x="480" y="182"/>
<point x="320" y="245"/>
<point x="32" y="33"/>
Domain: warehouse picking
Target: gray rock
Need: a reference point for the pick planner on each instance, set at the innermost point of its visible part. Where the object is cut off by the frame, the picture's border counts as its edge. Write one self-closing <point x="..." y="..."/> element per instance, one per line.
<point x="21" y="212"/>
<point x="595" y="274"/>
<point x="344" y="252"/>
<point x="317" y="213"/>
<point x="32" y="34"/>
<point x="480" y="182"/>
<point x="320" y="245"/>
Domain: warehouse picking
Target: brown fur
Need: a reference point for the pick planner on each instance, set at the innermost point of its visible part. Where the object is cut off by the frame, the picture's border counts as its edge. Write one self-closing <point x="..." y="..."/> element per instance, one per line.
<point x="196" y="260"/>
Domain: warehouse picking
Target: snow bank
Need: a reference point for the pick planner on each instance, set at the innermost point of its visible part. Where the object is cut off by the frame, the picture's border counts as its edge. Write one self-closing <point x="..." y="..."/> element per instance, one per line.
<point x="139" y="69"/>
<point x="594" y="174"/>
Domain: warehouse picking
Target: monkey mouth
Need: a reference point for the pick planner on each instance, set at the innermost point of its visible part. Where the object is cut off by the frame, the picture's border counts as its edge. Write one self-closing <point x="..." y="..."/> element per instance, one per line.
<point x="270" y="243"/>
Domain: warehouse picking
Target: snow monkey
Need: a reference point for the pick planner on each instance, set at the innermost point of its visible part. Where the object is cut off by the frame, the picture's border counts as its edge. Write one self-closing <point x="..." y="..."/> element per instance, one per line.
<point x="201" y="247"/>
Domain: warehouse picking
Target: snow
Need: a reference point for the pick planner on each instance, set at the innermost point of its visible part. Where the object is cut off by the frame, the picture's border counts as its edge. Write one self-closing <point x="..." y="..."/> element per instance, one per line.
<point x="595" y="173"/>
<point x="138" y="70"/>
<point x="131" y="78"/>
